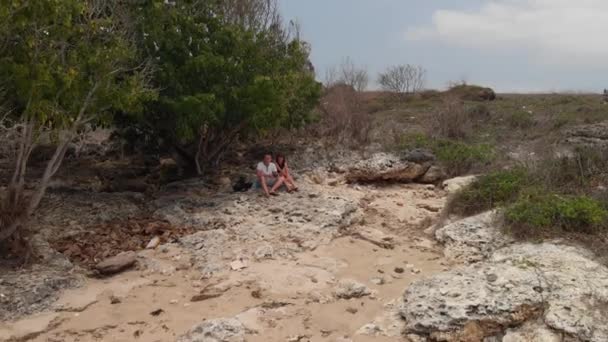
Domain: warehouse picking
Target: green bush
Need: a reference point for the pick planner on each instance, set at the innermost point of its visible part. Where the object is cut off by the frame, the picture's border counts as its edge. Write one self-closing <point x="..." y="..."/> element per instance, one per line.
<point x="489" y="191"/>
<point x="534" y="213"/>
<point x="459" y="157"/>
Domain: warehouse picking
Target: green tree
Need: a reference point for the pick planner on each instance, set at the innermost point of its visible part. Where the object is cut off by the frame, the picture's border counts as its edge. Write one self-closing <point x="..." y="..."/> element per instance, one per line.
<point x="63" y="64"/>
<point x="219" y="80"/>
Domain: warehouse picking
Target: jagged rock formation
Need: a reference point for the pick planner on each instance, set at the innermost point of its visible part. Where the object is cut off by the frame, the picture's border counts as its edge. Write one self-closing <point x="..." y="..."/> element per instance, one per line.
<point x="415" y="166"/>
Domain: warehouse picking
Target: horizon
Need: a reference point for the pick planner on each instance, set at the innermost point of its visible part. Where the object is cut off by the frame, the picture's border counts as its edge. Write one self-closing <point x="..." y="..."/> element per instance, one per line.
<point x="512" y="46"/>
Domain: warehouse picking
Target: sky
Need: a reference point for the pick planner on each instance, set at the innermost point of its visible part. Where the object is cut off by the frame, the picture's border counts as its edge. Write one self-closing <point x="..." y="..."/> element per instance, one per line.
<point x="510" y="45"/>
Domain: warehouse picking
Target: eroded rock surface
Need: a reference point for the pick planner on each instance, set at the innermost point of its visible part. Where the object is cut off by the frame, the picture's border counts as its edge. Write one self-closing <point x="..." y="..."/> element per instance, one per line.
<point x="563" y="286"/>
<point x="234" y="226"/>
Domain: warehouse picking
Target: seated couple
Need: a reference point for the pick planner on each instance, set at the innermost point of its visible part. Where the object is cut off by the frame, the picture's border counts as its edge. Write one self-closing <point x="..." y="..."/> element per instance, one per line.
<point x="272" y="175"/>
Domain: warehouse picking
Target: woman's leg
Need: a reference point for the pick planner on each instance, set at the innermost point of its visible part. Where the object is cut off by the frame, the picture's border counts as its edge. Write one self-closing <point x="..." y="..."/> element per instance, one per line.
<point x="280" y="181"/>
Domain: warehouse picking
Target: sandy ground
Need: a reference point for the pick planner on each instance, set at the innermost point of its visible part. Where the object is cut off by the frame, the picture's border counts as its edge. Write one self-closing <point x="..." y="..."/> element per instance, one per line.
<point x="276" y="299"/>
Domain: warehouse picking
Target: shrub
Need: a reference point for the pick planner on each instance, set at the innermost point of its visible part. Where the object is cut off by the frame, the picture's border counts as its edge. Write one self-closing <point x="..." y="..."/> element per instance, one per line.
<point x="489" y="191"/>
<point x="520" y="119"/>
<point x="479" y="111"/>
<point x="456" y="156"/>
<point x="451" y="120"/>
<point x="535" y="213"/>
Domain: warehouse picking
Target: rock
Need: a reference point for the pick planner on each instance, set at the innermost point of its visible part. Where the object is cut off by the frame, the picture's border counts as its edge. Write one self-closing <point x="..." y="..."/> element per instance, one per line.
<point x="399" y="270"/>
<point x="419" y="156"/>
<point x="153" y="243"/>
<point x="455" y="184"/>
<point x="116" y="263"/>
<point x="471" y="239"/>
<point x="348" y="288"/>
<point x="433" y="175"/>
<point x="377" y="281"/>
<point x="216" y="330"/>
<point x="115" y="300"/>
<point x="383" y="167"/>
<point x="517" y="284"/>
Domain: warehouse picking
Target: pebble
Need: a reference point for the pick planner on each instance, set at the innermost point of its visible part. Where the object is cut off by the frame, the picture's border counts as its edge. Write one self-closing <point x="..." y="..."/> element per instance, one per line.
<point x="415" y="271"/>
<point x="173" y="301"/>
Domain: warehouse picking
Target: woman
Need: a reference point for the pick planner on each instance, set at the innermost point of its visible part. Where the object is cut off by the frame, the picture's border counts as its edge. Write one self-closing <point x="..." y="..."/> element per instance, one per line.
<point x="283" y="169"/>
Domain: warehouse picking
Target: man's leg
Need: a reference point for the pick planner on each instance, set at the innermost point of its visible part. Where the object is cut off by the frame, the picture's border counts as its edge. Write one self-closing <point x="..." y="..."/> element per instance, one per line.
<point x="277" y="184"/>
<point x="262" y="181"/>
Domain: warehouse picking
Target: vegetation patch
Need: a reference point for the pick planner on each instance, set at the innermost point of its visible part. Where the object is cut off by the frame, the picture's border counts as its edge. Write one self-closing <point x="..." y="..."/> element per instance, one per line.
<point x="458" y="157"/>
<point x="537" y="213"/>
<point x="489" y="191"/>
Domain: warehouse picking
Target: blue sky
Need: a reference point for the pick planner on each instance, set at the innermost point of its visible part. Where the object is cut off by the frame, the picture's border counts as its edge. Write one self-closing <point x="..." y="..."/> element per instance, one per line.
<point x="511" y="45"/>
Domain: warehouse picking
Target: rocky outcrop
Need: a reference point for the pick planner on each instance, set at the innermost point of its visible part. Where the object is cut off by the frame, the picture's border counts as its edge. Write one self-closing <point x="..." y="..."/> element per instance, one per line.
<point x="562" y="286"/>
<point x="217" y="330"/>
<point x="471" y="239"/>
<point x="414" y="166"/>
<point x="593" y="135"/>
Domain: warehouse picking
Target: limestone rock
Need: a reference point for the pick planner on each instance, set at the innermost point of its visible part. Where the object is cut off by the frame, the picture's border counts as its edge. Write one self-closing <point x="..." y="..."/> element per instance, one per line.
<point x="348" y="288"/>
<point x="593" y="135"/>
<point x="456" y="184"/>
<point x="217" y="330"/>
<point x="116" y="263"/>
<point x="561" y="285"/>
<point x="471" y="239"/>
<point x="384" y="167"/>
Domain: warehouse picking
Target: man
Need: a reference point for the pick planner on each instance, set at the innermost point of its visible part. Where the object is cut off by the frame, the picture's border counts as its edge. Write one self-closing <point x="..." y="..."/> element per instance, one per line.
<point x="268" y="176"/>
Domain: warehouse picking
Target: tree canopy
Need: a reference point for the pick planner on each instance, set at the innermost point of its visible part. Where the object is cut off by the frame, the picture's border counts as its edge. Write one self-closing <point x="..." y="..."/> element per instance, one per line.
<point x="218" y="79"/>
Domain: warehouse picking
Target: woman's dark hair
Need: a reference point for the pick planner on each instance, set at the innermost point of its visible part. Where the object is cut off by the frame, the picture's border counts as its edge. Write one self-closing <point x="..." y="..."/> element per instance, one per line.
<point x="282" y="163"/>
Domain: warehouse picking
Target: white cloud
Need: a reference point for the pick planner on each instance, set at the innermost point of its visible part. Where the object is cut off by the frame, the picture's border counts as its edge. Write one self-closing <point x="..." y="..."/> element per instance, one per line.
<point x="561" y="32"/>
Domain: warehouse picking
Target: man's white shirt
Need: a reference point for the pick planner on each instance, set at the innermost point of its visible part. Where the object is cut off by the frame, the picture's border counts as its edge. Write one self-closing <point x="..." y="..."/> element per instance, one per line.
<point x="268" y="171"/>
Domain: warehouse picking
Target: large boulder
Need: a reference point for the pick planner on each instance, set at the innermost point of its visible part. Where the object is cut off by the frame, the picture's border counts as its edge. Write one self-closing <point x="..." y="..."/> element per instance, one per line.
<point x="563" y="286"/>
<point x="385" y="167"/>
<point x="217" y="330"/>
<point x="471" y="239"/>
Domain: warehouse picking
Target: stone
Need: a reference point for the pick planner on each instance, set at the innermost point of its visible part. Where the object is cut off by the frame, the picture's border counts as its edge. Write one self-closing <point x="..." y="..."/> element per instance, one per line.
<point x="471" y="239"/>
<point x="116" y="263"/>
<point x="433" y="175"/>
<point x="516" y="284"/>
<point x="238" y="265"/>
<point x="348" y="288"/>
<point x="384" y="167"/>
<point x="216" y="330"/>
